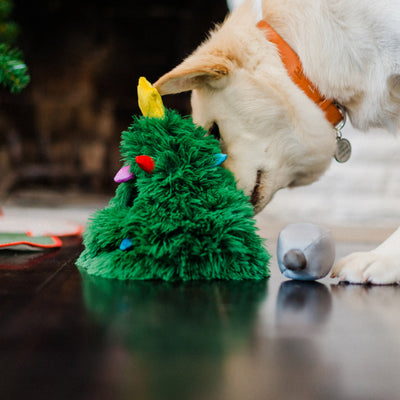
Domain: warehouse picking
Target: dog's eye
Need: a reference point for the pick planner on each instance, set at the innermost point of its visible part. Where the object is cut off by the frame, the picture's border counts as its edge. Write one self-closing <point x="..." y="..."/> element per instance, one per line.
<point x="214" y="130"/>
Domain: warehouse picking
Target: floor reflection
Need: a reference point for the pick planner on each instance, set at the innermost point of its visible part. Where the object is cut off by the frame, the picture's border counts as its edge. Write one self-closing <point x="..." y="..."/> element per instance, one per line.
<point x="382" y="300"/>
<point x="178" y="334"/>
<point x="287" y="362"/>
<point x="302" y="305"/>
<point x="22" y="260"/>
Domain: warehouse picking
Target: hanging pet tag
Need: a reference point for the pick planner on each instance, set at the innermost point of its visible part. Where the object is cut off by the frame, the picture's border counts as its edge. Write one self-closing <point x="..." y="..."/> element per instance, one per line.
<point x="343" y="150"/>
<point x="343" y="146"/>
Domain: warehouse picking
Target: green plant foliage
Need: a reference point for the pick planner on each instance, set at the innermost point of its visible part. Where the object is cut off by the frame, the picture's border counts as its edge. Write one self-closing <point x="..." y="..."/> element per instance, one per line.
<point x="186" y="220"/>
<point x="13" y="71"/>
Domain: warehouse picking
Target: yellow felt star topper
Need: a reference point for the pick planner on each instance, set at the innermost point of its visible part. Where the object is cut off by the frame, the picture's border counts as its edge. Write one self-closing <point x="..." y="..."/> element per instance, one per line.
<point x="150" y="102"/>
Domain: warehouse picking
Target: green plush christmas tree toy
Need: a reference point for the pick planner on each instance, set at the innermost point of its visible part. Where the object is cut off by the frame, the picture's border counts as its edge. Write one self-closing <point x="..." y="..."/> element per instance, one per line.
<point x="177" y="214"/>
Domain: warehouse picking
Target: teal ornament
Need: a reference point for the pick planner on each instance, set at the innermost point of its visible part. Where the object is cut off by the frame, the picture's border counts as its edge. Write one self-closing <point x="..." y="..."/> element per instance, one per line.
<point x="126" y="244"/>
<point x="219" y="159"/>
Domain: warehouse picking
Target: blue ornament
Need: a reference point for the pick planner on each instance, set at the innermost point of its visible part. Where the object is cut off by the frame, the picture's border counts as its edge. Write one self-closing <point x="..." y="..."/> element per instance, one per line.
<point x="126" y="244"/>
<point x="219" y="159"/>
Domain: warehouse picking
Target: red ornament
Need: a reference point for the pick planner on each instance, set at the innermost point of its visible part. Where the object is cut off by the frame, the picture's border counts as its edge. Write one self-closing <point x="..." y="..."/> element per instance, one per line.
<point x="146" y="163"/>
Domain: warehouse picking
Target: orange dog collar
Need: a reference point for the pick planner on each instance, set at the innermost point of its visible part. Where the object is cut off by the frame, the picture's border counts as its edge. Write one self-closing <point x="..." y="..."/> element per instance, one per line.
<point x="294" y="68"/>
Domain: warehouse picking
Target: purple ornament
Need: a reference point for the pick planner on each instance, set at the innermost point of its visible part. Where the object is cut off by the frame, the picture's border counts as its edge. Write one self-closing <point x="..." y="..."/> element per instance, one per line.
<point x="123" y="175"/>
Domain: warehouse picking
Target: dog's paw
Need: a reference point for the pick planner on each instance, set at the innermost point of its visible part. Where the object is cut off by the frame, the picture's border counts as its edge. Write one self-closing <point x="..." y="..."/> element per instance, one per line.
<point x="368" y="267"/>
<point x="352" y="268"/>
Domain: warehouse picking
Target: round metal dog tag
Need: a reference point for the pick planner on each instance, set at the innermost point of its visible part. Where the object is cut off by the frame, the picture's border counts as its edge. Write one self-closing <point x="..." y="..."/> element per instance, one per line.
<point x="343" y="150"/>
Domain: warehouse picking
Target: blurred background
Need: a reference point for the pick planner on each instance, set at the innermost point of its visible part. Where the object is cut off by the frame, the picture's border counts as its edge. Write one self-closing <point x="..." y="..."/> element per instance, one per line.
<point x="59" y="138"/>
<point x="85" y="57"/>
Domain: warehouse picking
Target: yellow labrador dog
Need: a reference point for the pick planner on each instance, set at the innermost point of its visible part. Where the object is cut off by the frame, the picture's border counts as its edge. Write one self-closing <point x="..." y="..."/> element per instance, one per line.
<point x="273" y="113"/>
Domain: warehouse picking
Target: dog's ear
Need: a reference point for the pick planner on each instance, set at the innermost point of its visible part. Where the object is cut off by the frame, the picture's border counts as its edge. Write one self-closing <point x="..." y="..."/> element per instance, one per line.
<point x="196" y="71"/>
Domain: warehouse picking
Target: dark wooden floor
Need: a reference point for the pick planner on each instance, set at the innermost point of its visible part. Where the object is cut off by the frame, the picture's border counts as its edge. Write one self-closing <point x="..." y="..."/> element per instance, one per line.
<point x="67" y="336"/>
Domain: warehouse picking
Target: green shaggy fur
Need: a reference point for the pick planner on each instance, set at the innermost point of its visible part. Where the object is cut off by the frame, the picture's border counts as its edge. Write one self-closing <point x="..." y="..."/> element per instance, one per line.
<point x="186" y="220"/>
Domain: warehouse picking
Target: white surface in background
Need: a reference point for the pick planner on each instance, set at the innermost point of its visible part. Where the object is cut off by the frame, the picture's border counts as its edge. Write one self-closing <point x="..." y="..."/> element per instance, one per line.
<point x="366" y="189"/>
<point x="42" y="220"/>
<point x="40" y="225"/>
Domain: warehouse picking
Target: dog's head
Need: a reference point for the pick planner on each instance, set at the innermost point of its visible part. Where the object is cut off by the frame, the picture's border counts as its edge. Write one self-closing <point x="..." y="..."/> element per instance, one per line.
<point x="274" y="135"/>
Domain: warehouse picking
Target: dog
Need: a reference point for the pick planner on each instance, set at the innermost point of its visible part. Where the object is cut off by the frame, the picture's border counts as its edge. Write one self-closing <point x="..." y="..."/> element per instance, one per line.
<point x="275" y="134"/>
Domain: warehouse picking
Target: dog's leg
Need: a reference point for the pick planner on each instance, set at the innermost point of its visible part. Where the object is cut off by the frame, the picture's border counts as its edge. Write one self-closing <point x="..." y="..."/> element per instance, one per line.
<point x="380" y="266"/>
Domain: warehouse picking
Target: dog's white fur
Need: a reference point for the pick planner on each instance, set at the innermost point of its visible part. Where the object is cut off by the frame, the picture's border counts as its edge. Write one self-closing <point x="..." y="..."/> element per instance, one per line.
<point x="274" y="135"/>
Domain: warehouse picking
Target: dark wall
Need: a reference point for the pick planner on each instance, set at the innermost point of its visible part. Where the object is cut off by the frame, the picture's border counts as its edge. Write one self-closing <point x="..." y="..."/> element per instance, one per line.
<point x="85" y="58"/>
